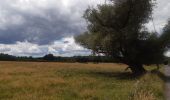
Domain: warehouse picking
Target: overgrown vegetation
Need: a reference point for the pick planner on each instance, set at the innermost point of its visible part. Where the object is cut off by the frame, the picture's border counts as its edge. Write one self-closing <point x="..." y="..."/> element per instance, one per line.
<point x="149" y="87"/>
<point x="65" y="81"/>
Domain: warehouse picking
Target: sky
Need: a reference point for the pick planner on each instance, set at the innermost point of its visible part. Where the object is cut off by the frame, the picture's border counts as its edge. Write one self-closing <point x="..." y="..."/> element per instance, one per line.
<point x="38" y="27"/>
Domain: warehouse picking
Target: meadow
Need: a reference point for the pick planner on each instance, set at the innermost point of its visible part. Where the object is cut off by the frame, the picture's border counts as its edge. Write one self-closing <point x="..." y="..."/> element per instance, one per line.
<point x="75" y="81"/>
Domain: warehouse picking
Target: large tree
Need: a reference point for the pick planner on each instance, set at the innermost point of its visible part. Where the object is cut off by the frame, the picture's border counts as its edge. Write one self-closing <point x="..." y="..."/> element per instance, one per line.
<point x="118" y="30"/>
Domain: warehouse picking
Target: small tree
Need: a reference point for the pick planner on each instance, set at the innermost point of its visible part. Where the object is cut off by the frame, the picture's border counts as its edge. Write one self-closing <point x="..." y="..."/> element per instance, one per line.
<point x="49" y="57"/>
<point x="118" y="30"/>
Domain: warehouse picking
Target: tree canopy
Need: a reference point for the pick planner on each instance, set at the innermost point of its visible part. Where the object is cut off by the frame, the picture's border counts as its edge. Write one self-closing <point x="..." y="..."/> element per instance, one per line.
<point x="118" y="30"/>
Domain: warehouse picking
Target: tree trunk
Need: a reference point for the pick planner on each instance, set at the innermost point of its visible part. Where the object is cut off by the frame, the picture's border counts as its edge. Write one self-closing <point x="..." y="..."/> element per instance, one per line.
<point x="137" y="69"/>
<point x="157" y="66"/>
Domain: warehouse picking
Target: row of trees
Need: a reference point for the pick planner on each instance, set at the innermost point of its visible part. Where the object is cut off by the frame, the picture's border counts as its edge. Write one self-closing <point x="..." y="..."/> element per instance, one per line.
<point x="118" y="30"/>
<point x="7" y="57"/>
<point x="52" y="58"/>
<point x="83" y="59"/>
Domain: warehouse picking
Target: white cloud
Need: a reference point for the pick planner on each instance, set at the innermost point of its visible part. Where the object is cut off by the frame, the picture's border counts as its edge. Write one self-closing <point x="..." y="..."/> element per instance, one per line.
<point x="67" y="47"/>
<point x="160" y="15"/>
<point x="64" y="47"/>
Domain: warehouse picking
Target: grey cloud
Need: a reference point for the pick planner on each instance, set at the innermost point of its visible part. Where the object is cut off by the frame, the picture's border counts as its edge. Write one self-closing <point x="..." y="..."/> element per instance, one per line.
<point x="40" y="21"/>
<point x="161" y="14"/>
<point x="44" y="21"/>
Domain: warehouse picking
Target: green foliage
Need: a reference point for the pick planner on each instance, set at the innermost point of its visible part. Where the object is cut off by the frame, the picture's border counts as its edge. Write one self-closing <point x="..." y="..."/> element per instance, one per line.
<point x="118" y="30"/>
<point x="49" y="57"/>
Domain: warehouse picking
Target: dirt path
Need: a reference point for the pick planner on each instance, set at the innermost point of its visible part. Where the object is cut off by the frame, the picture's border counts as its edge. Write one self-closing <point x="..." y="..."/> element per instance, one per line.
<point x="167" y="83"/>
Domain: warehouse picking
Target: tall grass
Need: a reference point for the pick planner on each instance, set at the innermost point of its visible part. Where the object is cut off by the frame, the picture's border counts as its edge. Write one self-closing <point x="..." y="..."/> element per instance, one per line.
<point x="74" y="81"/>
<point x="148" y="87"/>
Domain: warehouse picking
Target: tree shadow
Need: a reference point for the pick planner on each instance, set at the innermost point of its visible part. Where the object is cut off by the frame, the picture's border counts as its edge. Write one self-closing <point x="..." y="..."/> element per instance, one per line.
<point x="117" y="75"/>
<point x="161" y="75"/>
<point x="128" y="75"/>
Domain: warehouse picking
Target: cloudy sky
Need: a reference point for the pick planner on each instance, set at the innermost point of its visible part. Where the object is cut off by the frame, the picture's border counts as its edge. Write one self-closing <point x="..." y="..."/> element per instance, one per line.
<point x="38" y="27"/>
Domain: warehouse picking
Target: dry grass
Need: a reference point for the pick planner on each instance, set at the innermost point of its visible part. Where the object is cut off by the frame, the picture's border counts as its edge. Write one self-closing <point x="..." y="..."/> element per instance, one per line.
<point x="72" y="81"/>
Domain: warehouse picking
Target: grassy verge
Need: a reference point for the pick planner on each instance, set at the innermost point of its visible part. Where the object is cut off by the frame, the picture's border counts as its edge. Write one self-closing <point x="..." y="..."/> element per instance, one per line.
<point x="75" y="81"/>
<point x="148" y="87"/>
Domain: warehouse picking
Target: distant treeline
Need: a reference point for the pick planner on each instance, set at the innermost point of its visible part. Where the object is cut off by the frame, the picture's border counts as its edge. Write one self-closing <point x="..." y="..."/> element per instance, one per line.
<point x="52" y="58"/>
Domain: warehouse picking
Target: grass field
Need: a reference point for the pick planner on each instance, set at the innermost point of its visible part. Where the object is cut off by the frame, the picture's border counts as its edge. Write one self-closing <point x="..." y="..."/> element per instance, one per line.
<point x="75" y="81"/>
